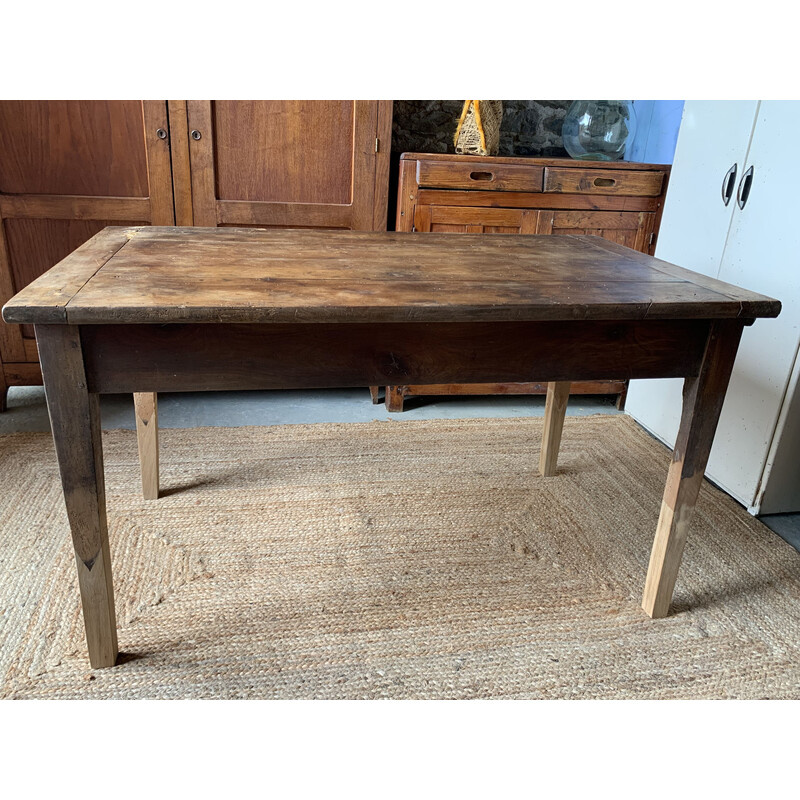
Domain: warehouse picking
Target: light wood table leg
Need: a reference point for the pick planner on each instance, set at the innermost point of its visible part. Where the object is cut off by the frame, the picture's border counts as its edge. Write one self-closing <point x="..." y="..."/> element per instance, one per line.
<point x="554" y="411"/>
<point x="702" y="403"/>
<point x="146" y="406"/>
<point x="374" y="392"/>
<point x="75" y="422"/>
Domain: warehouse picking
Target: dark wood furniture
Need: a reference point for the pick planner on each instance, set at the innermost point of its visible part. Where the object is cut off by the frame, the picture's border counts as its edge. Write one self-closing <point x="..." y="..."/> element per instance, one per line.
<point x="192" y="309"/>
<point x="620" y="201"/>
<point x="70" y="168"/>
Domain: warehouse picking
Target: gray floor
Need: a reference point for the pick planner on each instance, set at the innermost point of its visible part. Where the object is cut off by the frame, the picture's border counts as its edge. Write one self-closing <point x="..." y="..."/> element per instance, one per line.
<point x="27" y="411"/>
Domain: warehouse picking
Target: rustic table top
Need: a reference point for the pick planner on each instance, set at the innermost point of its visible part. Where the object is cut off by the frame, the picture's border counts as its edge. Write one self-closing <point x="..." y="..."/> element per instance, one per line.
<point x="163" y="275"/>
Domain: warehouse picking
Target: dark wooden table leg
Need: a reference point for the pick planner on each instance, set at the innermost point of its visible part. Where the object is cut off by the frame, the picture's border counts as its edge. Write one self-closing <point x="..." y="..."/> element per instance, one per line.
<point x="702" y="403"/>
<point x="395" y="398"/>
<point x="75" y="421"/>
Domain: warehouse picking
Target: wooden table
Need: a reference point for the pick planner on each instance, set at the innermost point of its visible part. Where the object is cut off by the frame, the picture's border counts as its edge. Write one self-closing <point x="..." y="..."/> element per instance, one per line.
<point x="148" y="309"/>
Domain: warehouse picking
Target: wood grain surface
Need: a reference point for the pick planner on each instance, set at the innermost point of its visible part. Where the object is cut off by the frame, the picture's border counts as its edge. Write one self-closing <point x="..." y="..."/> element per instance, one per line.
<point x="165" y="274"/>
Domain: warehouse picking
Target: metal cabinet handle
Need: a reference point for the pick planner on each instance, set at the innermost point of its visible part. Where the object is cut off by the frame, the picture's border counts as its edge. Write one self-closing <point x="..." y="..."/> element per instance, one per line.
<point x="728" y="182"/>
<point x="744" y="188"/>
<point x="196" y="135"/>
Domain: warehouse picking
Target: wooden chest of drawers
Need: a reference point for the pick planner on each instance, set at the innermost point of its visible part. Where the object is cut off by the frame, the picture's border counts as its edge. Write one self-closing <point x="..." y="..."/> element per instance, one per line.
<point x="620" y="201"/>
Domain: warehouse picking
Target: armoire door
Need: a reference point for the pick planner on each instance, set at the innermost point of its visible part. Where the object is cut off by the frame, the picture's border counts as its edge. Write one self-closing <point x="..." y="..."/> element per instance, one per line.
<point x="290" y="163"/>
<point x="67" y="170"/>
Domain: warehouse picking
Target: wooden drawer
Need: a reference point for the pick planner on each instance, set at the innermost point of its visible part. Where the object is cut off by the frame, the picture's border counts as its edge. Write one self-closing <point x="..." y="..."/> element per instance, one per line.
<point x="603" y="181"/>
<point x="480" y="175"/>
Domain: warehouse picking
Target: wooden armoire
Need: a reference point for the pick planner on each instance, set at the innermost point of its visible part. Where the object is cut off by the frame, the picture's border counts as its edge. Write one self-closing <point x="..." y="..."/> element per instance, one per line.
<point x="70" y="168"/>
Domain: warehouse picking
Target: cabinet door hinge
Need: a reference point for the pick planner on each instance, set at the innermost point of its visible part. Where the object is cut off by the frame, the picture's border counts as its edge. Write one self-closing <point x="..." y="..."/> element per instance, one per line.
<point x="377" y="145"/>
<point x="652" y="239"/>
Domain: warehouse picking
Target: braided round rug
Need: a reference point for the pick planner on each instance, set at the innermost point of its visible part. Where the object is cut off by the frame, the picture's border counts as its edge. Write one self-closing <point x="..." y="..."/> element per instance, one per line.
<point x="421" y="559"/>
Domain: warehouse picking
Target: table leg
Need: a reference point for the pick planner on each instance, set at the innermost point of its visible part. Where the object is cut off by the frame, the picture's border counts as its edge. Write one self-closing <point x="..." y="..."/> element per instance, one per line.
<point x="394" y="398"/>
<point x="554" y="411"/>
<point x="702" y="403"/>
<point x="146" y="406"/>
<point x="75" y="421"/>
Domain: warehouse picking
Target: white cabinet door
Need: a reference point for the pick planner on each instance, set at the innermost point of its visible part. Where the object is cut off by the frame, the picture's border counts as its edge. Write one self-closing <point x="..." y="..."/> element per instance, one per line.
<point x="714" y="135"/>
<point x="762" y="254"/>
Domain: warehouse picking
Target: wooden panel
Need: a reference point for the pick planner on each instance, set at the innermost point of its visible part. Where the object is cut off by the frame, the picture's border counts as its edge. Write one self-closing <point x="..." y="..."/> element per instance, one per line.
<point x="382" y="162"/>
<point x="73" y="148"/>
<point x="159" y="176"/>
<point x="11" y="341"/>
<point x="454" y="216"/>
<point x="407" y="193"/>
<point x="595" y="220"/>
<point x="364" y="165"/>
<point x="66" y="207"/>
<point x="602" y="181"/>
<point x="23" y="374"/>
<point x="201" y="159"/>
<point x="486" y="175"/>
<point x="288" y="151"/>
<point x="283" y="215"/>
<point x="578" y="387"/>
<point x="485" y="199"/>
<point x="153" y="358"/>
<point x="288" y="163"/>
<point x="625" y="228"/>
<point x="31" y="350"/>
<point x="181" y="169"/>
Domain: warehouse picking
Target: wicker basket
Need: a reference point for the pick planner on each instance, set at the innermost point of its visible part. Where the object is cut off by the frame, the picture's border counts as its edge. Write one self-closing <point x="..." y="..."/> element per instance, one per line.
<point x="478" y="131"/>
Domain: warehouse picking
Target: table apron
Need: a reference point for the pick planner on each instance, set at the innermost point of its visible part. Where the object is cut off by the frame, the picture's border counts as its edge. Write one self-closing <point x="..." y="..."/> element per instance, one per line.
<point x="222" y="356"/>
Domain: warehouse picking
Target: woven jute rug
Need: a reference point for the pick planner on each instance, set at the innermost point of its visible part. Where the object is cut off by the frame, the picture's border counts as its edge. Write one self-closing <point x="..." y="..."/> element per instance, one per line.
<point x="393" y="560"/>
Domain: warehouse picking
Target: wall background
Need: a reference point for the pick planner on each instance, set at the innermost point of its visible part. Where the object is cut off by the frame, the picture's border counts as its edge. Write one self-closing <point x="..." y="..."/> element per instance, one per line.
<point x="529" y="127"/>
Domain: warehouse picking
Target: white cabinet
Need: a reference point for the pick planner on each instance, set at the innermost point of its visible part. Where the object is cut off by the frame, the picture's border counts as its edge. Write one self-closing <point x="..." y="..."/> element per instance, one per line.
<point x="756" y="453"/>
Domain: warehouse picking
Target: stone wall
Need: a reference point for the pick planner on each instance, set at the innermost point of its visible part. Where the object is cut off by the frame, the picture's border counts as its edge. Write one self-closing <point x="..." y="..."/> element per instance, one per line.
<point x="529" y="127"/>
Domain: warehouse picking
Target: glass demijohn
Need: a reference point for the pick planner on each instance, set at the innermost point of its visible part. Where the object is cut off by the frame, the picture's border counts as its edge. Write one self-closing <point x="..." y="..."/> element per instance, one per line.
<point x="599" y="130"/>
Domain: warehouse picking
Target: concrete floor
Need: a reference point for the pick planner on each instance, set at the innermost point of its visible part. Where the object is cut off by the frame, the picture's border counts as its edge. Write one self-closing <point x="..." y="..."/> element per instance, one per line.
<point x="27" y="412"/>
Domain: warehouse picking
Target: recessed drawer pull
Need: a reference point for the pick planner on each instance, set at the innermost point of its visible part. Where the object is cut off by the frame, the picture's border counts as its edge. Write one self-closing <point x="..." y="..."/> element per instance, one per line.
<point x="604" y="181"/>
<point x="482" y="176"/>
